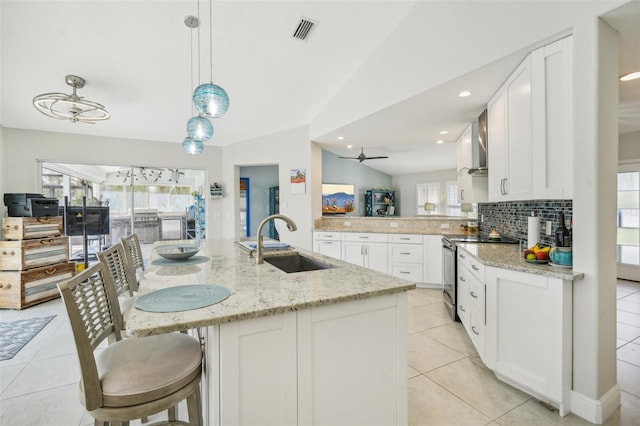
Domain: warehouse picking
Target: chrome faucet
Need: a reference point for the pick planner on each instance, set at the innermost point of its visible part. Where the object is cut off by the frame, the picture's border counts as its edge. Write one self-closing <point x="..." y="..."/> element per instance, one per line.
<point x="290" y="224"/>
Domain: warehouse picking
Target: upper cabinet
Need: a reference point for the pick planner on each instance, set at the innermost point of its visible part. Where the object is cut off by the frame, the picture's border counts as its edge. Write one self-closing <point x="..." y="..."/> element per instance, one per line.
<point x="552" y="108"/>
<point x="530" y="128"/>
<point x="471" y="188"/>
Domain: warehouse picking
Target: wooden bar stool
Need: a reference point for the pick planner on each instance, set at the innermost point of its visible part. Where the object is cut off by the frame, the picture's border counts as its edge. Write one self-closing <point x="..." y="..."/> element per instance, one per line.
<point x="131" y="378"/>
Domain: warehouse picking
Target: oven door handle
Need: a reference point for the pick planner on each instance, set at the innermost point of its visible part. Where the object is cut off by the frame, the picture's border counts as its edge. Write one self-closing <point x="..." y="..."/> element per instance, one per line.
<point x="448" y="297"/>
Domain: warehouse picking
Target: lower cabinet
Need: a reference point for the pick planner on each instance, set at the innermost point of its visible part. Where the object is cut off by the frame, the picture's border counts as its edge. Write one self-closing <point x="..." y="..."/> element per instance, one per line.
<point x="365" y="249"/>
<point x="521" y="326"/>
<point x="312" y="366"/>
<point x="405" y="256"/>
<point x="328" y="244"/>
<point x="529" y="333"/>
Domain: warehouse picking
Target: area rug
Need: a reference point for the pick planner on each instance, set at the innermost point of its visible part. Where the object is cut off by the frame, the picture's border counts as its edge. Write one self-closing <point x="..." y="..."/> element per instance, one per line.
<point x="14" y="335"/>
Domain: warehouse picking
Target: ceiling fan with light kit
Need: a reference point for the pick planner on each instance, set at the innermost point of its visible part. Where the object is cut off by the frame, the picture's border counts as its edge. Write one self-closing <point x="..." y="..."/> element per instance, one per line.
<point x="363" y="157"/>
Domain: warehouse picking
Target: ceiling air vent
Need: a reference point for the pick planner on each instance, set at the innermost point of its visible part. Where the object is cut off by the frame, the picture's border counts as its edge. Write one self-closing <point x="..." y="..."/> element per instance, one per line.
<point x="303" y="29"/>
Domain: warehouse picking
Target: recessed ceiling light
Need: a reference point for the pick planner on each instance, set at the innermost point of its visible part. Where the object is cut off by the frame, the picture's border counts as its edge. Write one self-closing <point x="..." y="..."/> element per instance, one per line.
<point x="630" y="76"/>
<point x="340" y="138"/>
<point x="440" y="141"/>
<point x="464" y="94"/>
<point x="349" y="146"/>
<point x="444" y="132"/>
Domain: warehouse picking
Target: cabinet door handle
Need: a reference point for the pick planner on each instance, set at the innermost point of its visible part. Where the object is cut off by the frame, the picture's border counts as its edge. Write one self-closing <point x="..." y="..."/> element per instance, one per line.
<point x="475" y="268"/>
<point x="462" y="194"/>
<point x="462" y="308"/>
<point x="462" y="256"/>
<point x="473" y="328"/>
<point x="461" y="279"/>
<point x="473" y="295"/>
<point x="361" y="250"/>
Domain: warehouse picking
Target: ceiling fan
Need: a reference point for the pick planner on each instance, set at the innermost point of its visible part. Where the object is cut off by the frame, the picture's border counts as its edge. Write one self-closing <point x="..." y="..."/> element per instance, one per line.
<point x="363" y="157"/>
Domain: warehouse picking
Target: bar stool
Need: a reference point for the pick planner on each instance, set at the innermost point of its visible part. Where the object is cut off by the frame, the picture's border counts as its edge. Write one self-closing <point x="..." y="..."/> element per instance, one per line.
<point x="131" y="378"/>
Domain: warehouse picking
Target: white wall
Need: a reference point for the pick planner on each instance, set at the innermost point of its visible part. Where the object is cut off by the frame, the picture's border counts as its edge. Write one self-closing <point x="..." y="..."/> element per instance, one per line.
<point x="261" y="178"/>
<point x="629" y="146"/>
<point x="289" y="149"/>
<point x="340" y="170"/>
<point x="23" y="149"/>
<point x="406" y="187"/>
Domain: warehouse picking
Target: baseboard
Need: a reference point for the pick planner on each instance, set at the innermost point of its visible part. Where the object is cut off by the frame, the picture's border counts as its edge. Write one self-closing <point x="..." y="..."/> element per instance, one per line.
<point x="596" y="410"/>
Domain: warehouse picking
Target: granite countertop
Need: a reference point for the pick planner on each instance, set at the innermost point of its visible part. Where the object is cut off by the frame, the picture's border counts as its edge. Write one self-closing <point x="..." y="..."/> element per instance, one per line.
<point x="256" y="290"/>
<point x="508" y="256"/>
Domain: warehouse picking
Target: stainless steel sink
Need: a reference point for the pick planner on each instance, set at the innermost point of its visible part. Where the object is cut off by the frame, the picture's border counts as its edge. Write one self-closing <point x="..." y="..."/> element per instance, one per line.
<point x="295" y="262"/>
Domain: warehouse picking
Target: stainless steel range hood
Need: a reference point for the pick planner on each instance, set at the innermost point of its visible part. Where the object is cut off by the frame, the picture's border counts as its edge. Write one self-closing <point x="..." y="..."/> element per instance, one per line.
<point x="479" y="147"/>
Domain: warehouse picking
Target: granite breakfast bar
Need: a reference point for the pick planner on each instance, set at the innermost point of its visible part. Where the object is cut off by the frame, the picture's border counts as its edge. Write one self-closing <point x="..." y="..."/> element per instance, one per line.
<point x="315" y="347"/>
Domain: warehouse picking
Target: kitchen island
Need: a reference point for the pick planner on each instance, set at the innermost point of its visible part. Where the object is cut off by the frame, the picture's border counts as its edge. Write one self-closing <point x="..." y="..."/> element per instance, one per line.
<point x="319" y="347"/>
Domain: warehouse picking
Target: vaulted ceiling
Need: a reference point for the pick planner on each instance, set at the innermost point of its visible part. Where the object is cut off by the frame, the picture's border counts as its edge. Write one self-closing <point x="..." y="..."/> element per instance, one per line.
<point x="383" y="74"/>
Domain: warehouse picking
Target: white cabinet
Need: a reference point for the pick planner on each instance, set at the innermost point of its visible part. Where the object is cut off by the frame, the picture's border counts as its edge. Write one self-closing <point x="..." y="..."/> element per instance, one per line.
<point x="432" y="259"/>
<point x="328" y="243"/>
<point x="510" y="138"/>
<point x="312" y="366"/>
<point x="365" y="249"/>
<point x="471" y="299"/>
<point x="552" y="94"/>
<point x="257" y="373"/>
<point x="529" y="336"/>
<point x="405" y="256"/>
<point x="530" y="128"/>
<point x="471" y="189"/>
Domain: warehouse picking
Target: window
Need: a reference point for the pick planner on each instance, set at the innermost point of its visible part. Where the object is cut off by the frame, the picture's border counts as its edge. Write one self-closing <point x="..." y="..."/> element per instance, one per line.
<point x="453" y="202"/>
<point x="628" y="215"/>
<point x="427" y="193"/>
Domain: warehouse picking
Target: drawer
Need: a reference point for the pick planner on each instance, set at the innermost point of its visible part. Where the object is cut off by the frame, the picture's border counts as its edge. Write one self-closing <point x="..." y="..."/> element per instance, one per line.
<point x="477" y="295"/>
<point x="364" y="237"/>
<point x="405" y="238"/>
<point x="26" y="254"/>
<point x="407" y="271"/>
<point x="20" y="289"/>
<point x="327" y="236"/>
<point x="471" y="263"/>
<point x="476" y="331"/>
<point x="405" y="253"/>
<point x="24" y="228"/>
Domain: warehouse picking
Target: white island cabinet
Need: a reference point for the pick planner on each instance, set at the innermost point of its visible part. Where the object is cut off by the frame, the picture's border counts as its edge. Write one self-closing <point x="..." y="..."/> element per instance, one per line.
<point x="327" y="346"/>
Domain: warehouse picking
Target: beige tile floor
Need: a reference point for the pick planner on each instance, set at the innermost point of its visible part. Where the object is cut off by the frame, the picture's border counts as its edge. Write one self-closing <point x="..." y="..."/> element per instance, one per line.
<point x="448" y="384"/>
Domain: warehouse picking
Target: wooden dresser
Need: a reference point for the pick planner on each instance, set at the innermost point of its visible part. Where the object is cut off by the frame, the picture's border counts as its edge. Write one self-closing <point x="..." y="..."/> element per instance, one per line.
<point x="34" y="257"/>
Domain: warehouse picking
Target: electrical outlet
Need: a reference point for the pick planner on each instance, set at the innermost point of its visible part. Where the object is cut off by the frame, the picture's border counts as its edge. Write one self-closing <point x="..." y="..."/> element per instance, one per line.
<point x="347" y="224"/>
<point x="548" y="228"/>
<point x="394" y="224"/>
<point x="444" y="226"/>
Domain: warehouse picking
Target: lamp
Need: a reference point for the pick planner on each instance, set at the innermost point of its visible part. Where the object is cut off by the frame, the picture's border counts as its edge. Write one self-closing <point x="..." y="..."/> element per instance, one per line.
<point x="429" y="207"/>
<point x="199" y="129"/>
<point x="192" y="146"/>
<point x="70" y="107"/>
<point x="210" y="99"/>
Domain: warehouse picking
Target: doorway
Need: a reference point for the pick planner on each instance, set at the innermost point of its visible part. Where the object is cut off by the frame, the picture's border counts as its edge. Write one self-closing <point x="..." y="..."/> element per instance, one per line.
<point x="257" y="205"/>
<point x="628" y="222"/>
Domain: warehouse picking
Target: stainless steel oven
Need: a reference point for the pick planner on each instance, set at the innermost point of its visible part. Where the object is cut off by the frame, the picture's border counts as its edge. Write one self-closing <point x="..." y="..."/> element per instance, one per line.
<point x="450" y="266"/>
<point x="449" y="274"/>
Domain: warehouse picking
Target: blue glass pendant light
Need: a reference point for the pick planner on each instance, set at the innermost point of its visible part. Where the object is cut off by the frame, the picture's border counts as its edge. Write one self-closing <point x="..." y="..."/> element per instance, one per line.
<point x="211" y="100"/>
<point x="192" y="146"/>
<point x="199" y="128"/>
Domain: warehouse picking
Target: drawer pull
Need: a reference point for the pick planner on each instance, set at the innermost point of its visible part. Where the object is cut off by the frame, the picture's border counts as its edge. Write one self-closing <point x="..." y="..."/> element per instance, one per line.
<point x="462" y="256"/>
<point x="46" y="242"/>
<point x="473" y="295"/>
<point x="461" y="279"/>
<point x="462" y="308"/>
<point x="43" y="219"/>
<point x="10" y="253"/>
<point x="475" y="268"/>
<point x="405" y="253"/>
<point x="364" y="238"/>
<point x="473" y="328"/>
<point x="50" y="271"/>
<point x="405" y="238"/>
<point x="404" y="272"/>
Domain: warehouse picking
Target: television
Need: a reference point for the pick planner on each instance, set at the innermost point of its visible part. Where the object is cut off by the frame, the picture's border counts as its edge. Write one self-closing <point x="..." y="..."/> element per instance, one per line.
<point x="97" y="219"/>
<point x="337" y="199"/>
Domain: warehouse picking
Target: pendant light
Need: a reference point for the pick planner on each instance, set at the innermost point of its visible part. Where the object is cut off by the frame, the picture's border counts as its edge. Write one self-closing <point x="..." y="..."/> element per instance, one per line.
<point x="71" y="107"/>
<point x="199" y="129"/>
<point x="210" y="99"/>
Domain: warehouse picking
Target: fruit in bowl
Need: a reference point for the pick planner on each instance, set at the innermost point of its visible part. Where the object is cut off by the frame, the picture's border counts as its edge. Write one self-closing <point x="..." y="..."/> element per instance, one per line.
<point x="536" y="252"/>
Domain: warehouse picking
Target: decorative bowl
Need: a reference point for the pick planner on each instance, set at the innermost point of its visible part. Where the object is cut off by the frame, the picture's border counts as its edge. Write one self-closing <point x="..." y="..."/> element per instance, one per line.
<point x="179" y="252"/>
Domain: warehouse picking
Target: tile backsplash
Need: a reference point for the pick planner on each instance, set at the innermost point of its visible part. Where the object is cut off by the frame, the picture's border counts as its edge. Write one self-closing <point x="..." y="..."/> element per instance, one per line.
<point x="510" y="217"/>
